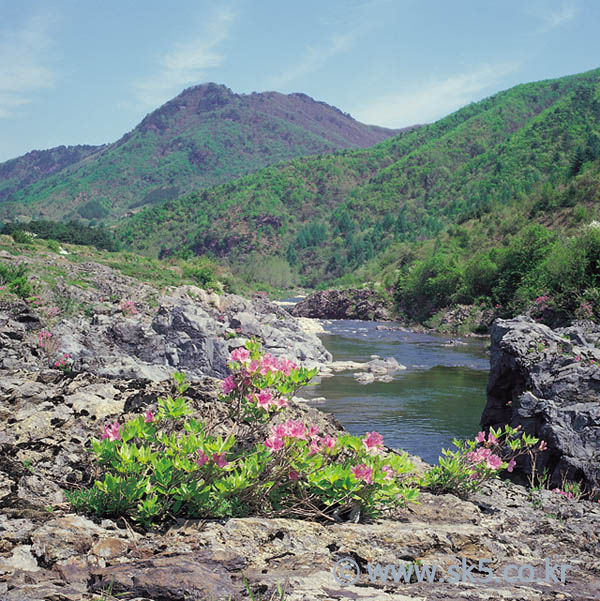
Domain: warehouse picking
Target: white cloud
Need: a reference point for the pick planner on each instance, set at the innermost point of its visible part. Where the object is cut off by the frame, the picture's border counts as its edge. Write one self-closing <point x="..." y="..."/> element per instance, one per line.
<point x="432" y="99"/>
<point x="552" y="17"/>
<point x="24" y="67"/>
<point x="314" y="58"/>
<point x="186" y="63"/>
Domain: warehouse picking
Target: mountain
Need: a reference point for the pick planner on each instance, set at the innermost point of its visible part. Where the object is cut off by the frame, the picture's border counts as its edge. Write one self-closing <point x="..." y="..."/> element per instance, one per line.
<point x="329" y="215"/>
<point x="205" y="136"/>
<point x="19" y="173"/>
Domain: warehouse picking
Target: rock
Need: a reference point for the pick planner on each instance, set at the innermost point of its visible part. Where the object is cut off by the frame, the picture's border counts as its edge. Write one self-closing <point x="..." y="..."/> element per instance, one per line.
<point x="21" y="559"/>
<point x="76" y="558"/>
<point x="202" y="576"/>
<point x="186" y="333"/>
<point x="364" y="378"/>
<point x="360" y="304"/>
<point x="548" y="381"/>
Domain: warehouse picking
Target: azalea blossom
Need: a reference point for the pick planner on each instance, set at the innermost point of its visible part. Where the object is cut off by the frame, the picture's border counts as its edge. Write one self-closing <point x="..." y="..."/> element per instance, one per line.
<point x="228" y="384"/>
<point x="511" y="465"/>
<point x="264" y="399"/>
<point x="239" y="355"/>
<point x="293" y="475"/>
<point x="296" y="429"/>
<point x="148" y="416"/>
<point x="543" y="445"/>
<point x="202" y="458"/>
<point x="363" y="472"/>
<point x="274" y="443"/>
<point x="373" y="442"/>
<point x="112" y="431"/>
<point x="492" y="439"/>
<point x="493" y="462"/>
<point x="219" y="459"/>
<point x="389" y="472"/>
<point x="480" y="437"/>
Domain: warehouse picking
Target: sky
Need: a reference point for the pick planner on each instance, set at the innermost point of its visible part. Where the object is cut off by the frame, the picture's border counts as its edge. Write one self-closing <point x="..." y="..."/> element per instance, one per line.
<point x="86" y="72"/>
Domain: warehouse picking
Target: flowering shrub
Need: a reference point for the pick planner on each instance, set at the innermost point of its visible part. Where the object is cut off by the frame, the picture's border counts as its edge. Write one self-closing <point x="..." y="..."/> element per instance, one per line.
<point x="164" y="463"/>
<point x="64" y="362"/>
<point x="128" y="308"/>
<point x="261" y="384"/>
<point x="464" y="470"/>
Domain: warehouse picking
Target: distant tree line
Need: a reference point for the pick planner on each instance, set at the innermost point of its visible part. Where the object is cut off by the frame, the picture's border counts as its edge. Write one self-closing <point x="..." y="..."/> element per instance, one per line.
<point x="71" y="233"/>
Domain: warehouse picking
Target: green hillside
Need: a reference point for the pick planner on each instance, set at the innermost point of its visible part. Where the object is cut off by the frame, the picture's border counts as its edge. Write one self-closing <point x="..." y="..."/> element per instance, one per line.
<point x="329" y="215"/>
<point x="205" y="136"/>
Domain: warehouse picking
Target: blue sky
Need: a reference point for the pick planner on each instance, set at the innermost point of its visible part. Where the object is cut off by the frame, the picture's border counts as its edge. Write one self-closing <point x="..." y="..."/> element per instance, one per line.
<point x="79" y="71"/>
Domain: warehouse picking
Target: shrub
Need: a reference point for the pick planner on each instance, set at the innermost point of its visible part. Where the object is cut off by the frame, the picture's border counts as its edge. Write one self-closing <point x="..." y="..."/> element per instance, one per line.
<point x="464" y="470"/>
<point x="165" y="464"/>
<point x="21" y="237"/>
<point x="14" y="278"/>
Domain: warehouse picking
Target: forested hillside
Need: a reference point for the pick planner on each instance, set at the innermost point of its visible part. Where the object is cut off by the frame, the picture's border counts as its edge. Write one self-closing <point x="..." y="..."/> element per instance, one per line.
<point x="327" y="216"/>
<point x="205" y="136"/>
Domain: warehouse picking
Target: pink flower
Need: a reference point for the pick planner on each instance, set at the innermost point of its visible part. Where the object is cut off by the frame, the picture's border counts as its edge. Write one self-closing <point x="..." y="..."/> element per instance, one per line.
<point x="480" y="437"/>
<point x="112" y="432"/>
<point x="492" y="439"/>
<point x="202" y="458"/>
<point x="363" y="472"/>
<point x="296" y="429"/>
<point x="279" y="430"/>
<point x="274" y="443"/>
<point x="314" y="446"/>
<point x="511" y="465"/>
<point x="148" y="416"/>
<point x="328" y="442"/>
<point x="293" y="475"/>
<point x="281" y="402"/>
<point x="543" y="445"/>
<point x="264" y="399"/>
<point x="494" y="462"/>
<point x="239" y="355"/>
<point x="313" y="431"/>
<point x="578" y="358"/>
<point x="373" y="442"/>
<point x="389" y="472"/>
<point x="219" y="459"/>
<point x="228" y="384"/>
<point x="564" y="493"/>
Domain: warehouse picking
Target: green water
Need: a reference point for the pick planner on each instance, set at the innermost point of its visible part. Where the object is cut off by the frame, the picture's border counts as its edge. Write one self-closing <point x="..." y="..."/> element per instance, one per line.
<point x="439" y="396"/>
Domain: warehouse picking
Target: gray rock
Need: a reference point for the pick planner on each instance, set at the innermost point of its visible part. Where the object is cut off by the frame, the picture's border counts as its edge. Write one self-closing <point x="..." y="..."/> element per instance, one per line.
<point x="548" y="381"/>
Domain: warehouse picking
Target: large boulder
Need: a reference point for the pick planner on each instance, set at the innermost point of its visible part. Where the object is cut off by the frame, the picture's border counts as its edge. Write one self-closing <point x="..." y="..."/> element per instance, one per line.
<point x="548" y="381"/>
<point x="192" y="331"/>
<point x="344" y="304"/>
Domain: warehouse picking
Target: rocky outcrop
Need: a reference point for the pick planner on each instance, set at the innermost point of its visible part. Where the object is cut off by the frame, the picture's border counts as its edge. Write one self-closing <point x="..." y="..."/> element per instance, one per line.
<point x="189" y="330"/>
<point x="344" y="304"/>
<point x="548" y="381"/>
<point x="49" y="552"/>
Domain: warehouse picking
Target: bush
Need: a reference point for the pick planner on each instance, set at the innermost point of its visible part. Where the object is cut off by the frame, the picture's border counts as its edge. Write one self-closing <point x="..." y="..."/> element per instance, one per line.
<point x="464" y="470"/>
<point x="164" y="465"/>
<point x="15" y="280"/>
<point x="21" y="237"/>
<point x="202" y="271"/>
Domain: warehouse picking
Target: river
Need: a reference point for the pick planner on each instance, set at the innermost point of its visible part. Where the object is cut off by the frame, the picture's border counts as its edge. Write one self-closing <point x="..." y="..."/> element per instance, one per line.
<point x="438" y="397"/>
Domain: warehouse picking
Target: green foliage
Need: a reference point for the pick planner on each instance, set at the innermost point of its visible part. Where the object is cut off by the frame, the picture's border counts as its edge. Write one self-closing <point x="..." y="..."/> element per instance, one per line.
<point x="72" y="233"/>
<point x="462" y="471"/>
<point x="334" y="215"/>
<point x="202" y="271"/>
<point x="14" y="278"/>
<point x="164" y="465"/>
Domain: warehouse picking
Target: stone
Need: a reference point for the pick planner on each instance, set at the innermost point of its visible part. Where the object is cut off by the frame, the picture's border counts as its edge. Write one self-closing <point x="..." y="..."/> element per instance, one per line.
<point x="548" y="381"/>
<point x="363" y="304"/>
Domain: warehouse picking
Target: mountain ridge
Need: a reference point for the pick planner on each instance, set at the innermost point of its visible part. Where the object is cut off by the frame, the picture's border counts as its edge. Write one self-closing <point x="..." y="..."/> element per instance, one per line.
<point x="204" y="136"/>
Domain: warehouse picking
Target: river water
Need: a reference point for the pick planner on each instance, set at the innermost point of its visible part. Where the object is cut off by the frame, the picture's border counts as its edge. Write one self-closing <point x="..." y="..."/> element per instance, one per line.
<point x="438" y="397"/>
